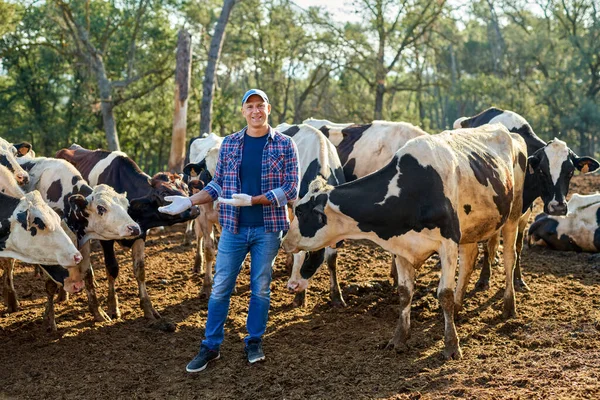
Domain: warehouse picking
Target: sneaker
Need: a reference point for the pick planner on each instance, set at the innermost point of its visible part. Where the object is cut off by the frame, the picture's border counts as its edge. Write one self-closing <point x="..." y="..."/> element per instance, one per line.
<point x="204" y="356"/>
<point x="254" y="351"/>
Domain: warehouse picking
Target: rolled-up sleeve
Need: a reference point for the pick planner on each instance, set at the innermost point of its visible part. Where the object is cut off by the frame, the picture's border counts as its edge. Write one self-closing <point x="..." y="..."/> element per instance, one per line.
<point x="288" y="192"/>
<point x="215" y="186"/>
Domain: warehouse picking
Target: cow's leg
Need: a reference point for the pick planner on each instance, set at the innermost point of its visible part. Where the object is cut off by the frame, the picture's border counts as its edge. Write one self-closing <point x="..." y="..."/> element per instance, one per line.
<point x="10" y="295"/>
<point x="448" y="256"/>
<point x="90" y="289"/>
<point x="112" y="272"/>
<point x="37" y="272"/>
<point x="49" y="318"/>
<point x="394" y="271"/>
<point x="63" y="295"/>
<point x="467" y="256"/>
<point x="189" y="233"/>
<point x="210" y="251"/>
<point x="509" y="235"/>
<point x="298" y="260"/>
<point x="406" y="284"/>
<point x="490" y="249"/>
<point x="520" y="285"/>
<point x="139" y="269"/>
<point x="337" y="300"/>
<point x="199" y="239"/>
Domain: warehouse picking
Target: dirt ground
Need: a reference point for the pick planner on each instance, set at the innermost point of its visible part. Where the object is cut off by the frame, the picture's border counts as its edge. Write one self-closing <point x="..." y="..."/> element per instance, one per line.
<point x="551" y="350"/>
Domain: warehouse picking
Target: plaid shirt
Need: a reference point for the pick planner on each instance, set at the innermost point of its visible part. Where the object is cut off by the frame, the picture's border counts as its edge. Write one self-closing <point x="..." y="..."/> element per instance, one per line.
<point x="279" y="179"/>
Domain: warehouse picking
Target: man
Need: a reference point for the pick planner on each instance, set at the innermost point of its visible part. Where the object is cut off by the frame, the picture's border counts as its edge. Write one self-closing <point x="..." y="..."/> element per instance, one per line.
<point x="257" y="174"/>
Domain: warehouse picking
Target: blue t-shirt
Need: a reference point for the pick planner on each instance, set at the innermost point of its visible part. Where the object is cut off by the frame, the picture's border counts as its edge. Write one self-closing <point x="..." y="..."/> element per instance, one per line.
<point x="250" y="178"/>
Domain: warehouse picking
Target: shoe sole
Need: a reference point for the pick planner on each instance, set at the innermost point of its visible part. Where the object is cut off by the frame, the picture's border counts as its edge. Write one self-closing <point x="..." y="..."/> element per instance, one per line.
<point x="203" y="367"/>
<point x="255" y="360"/>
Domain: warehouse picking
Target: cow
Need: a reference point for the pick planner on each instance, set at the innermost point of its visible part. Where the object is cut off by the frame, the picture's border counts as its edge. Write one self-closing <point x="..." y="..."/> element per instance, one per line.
<point x="145" y="195"/>
<point x="90" y="213"/>
<point x="203" y="155"/>
<point x="317" y="157"/>
<point x="439" y="194"/>
<point x="8" y="159"/>
<point x="31" y="231"/>
<point x="551" y="166"/>
<point x="320" y="123"/>
<point x="579" y="230"/>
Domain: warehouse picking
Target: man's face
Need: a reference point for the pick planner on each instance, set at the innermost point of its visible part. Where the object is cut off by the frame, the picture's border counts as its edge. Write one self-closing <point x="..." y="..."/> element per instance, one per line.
<point x="256" y="111"/>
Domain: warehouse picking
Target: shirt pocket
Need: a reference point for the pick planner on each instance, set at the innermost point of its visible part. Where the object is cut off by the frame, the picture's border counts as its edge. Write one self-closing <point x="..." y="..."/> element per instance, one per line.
<point x="276" y="163"/>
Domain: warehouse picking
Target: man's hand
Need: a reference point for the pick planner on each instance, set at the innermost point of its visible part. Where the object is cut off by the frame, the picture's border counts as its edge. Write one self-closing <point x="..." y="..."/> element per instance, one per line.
<point x="238" y="200"/>
<point x="178" y="205"/>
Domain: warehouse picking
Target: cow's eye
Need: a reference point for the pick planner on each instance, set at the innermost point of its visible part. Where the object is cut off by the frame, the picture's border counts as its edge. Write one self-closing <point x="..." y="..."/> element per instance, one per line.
<point x="101" y="210"/>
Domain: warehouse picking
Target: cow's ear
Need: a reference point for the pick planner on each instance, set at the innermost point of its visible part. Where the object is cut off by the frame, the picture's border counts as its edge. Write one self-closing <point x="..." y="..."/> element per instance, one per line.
<point x="78" y="202"/>
<point x="585" y="164"/>
<point x="22" y="148"/>
<point x="533" y="162"/>
<point x="320" y="210"/>
<point x="192" y="169"/>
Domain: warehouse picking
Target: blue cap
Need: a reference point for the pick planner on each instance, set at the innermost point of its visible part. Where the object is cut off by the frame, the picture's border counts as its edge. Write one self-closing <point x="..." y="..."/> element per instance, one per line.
<point x="257" y="92"/>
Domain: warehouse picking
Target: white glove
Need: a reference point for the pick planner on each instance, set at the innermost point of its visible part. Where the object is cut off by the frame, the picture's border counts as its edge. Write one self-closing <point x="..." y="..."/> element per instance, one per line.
<point x="238" y="200"/>
<point x="178" y="205"/>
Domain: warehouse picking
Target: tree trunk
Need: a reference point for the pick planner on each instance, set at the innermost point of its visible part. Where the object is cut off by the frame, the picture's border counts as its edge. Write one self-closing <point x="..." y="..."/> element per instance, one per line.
<point x="108" y="117"/>
<point x="182" y="86"/>
<point x="208" y="85"/>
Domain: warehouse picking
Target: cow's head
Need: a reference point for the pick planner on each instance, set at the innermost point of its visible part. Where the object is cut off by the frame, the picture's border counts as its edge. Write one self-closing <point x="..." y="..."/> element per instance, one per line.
<point x="167" y="184"/>
<point x="37" y="236"/>
<point x="9" y="160"/>
<point x="198" y="172"/>
<point x="553" y="166"/>
<point x="310" y="229"/>
<point x="106" y="214"/>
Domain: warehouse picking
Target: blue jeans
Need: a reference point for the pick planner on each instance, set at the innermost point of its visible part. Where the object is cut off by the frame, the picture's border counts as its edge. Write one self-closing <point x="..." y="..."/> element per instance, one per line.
<point x="263" y="247"/>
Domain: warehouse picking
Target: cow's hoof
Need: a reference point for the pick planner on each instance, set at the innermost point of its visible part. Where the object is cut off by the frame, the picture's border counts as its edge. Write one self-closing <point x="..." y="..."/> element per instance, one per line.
<point x="509" y="311"/>
<point x="100" y="315"/>
<point x="452" y="352"/>
<point x="11" y="302"/>
<point x="163" y="325"/>
<point x="205" y="292"/>
<point x="114" y="313"/>
<point x="197" y="268"/>
<point x="482" y="285"/>
<point x="521" y="286"/>
<point x="62" y="296"/>
<point x="338" y="302"/>
<point x="299" y="300"/>
<point x="398" y="347"/>
<point x="12" y="307"/>
<point x="51" y="327"/>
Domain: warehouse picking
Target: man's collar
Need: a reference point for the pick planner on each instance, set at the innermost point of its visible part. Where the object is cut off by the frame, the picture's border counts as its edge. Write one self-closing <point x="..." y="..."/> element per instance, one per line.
<point x="240" y="135"/>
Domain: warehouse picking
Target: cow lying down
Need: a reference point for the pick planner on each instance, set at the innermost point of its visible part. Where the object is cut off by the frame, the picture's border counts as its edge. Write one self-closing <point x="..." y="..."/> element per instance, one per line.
<point x="579" y="230"/>
<point x="439" y="194"/>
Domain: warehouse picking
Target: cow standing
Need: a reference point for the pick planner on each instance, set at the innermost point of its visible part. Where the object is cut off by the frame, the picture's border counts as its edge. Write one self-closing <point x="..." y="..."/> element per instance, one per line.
<point x="551" y="167"/>
<point x="89" y="213"/>
<point x="145" y="195"/>
<point x="317" y="157"/>
<point x="439" y="194"/>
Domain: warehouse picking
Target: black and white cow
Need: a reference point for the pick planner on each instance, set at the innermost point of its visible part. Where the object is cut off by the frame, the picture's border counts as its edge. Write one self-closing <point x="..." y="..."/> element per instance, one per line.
<point x="8" y="159"/>
<point x="366" y="148"/>
<point x="579" y="230"/>
<point x="31" y="231"/>
<point x="439" y="194"/>
<point x="203" y="156"/>
<point x="551" y="166"/>
<point x="90" y="213"/>
<point x="145" y="194"/>
<point x="318" y="158"/>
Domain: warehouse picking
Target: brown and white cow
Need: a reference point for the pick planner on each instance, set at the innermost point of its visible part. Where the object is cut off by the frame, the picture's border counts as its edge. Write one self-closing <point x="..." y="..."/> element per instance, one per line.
<point x="439" y="194"/>
<point x="145" y="194"/>
<point x="90" y="213"/>
<point x="551" y="167"/>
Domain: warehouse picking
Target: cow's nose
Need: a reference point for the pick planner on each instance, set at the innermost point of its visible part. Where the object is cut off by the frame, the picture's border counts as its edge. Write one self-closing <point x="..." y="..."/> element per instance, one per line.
<point x="22" y="179"/>
<point x="556" y="208"/>
<point x="134" y="229"/>
<point x="77" y="258"/>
